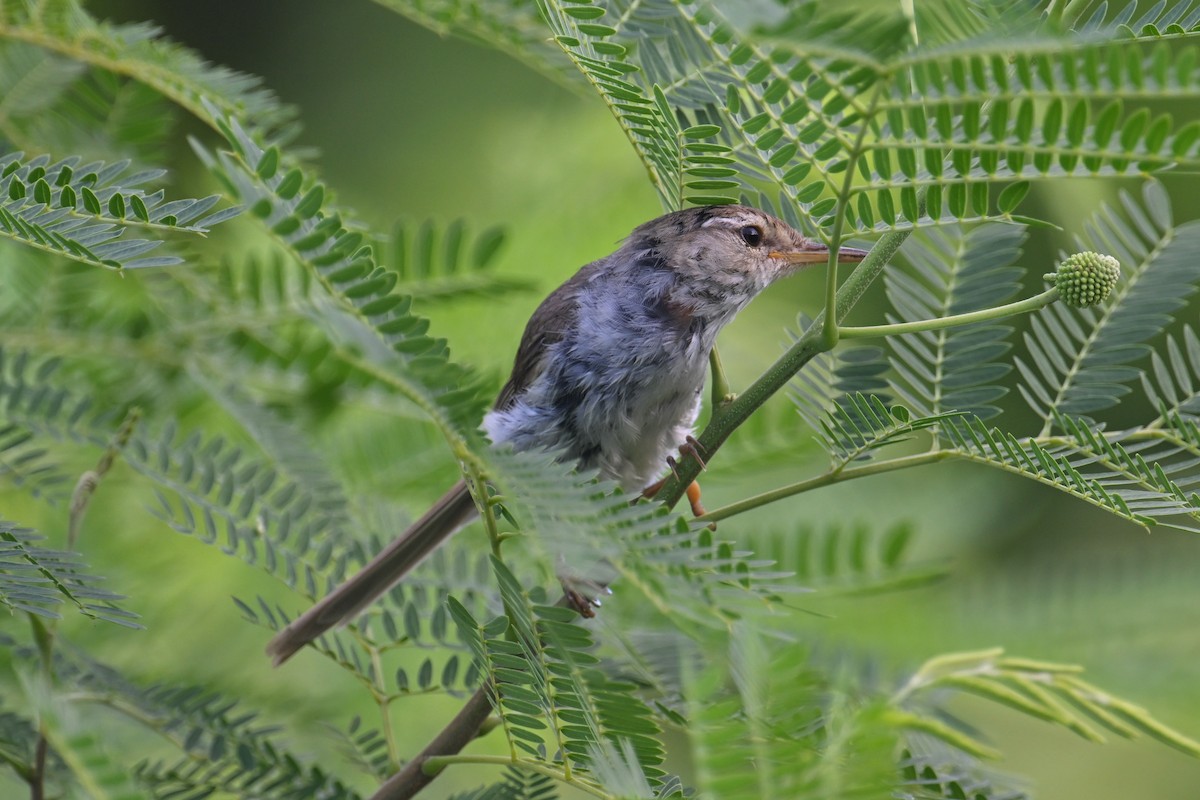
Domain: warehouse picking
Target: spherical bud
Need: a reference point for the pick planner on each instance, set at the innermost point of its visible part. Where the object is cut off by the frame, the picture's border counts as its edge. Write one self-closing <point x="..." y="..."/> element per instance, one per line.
<point x="1085" y="279"/>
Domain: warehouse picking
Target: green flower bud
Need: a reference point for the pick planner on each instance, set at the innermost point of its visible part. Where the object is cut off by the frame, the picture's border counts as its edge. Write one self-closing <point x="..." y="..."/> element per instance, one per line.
<point x="1085" y="279"/>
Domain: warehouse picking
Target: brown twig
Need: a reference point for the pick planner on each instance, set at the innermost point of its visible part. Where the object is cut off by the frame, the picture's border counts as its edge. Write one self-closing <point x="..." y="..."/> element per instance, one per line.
<point x="37" y="778"/>
<point x="454" y="737"/>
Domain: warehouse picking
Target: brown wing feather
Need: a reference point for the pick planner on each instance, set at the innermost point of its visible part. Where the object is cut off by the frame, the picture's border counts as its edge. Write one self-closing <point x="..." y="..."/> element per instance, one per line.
<point x="552" y="318"/>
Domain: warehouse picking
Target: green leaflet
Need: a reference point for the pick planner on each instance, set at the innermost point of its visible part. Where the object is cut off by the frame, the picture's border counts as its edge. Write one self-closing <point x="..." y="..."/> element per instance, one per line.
<point x="1172" y="382"/>
<point x="1055" y="693"/>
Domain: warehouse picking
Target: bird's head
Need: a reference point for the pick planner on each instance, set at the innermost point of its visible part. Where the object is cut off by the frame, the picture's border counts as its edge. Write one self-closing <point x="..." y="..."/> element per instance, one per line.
<point x="725" y="255"/>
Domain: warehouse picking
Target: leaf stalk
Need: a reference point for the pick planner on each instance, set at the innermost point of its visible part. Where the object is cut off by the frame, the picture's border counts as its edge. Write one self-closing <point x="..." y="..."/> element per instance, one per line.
<point x="954" y="320"/>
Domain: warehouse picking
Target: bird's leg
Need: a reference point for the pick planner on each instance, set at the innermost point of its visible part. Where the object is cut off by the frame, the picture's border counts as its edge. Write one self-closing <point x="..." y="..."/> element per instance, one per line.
<point x="654" y="488"/>
<point x="693" y="490"/>
<point x="691" y="447"/>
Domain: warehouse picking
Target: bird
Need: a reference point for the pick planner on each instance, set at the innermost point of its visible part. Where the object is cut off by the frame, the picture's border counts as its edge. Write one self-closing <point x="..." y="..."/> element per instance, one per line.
<point x="608" y="373"/>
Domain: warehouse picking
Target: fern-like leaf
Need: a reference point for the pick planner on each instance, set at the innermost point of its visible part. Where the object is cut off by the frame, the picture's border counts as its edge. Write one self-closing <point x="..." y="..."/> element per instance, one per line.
<point x="1055" y="693"/>
<point x="63" y="106"/>
<point x="1081" y="361"/>
<point x="18" y="739"/>
<point x="282" y="444"/>
<point x="27" y="464"/>
<point x="744" y="725"/>
<point x="1085" y="464"/>
<point x="82" y="210"/>
<point x="140" y="52"/>
<point x="545" y="686"/>
<point x="929" y="125"/>
<point x="374" y="319"/>
<point x="35" y="579"/>
<point x="648" y="122"/>
<point x="846" y="560"/>
<point x="861" y="424"/>
<point x="1163" y="18"/>
<point x="518" y="784"/>
<point x="413" y="615"/>
<point x="933" y="771"/>
<point x="947" y="271"/>
<point x="225" y="497"/>
<point x="94" y="767"/>
<point x="365" y="748"/>
<point x="31" y="83"/>
<point x="444" y="262"/>
<point x="1173" y="381"/>
<point x="590" y="525"/>
<point x="224" y="747"/>
<point x="833" y="378"/>
<point x="513" y="26"/>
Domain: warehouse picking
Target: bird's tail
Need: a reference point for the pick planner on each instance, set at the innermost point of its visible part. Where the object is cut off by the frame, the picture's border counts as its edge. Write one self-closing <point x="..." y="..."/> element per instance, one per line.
<point x="455" y="509"/>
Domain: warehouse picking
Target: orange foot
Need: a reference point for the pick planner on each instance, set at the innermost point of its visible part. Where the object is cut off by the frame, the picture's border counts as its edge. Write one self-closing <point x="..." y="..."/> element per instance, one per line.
<point x="693" y="493"/>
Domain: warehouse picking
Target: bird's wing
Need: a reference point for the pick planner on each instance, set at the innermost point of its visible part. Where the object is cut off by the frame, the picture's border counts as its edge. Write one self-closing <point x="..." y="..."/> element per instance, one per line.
<point x="549" y="323"/>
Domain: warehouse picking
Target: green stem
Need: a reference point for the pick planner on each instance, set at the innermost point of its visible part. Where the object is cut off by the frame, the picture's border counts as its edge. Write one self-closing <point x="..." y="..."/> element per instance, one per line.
<point x="43" y="635"/>
<point x="487" y="513"/>
<point x="384" y="703"/>
<point x="721" y="394"/>
<point x="1019" y="307"/>
<point x="89" y="481"/>
<point x="436" y="764"/>
<point x="825" y="479"/>
<point x="831" y="319"/>
<point x="810" y="344"/>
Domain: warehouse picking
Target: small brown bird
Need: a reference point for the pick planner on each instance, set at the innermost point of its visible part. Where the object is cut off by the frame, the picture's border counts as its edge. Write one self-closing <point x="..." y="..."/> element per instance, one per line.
<point x="609" y="371"/>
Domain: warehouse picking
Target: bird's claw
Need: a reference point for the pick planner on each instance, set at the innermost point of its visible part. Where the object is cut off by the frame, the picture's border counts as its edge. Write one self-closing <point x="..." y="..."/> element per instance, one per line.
<point x="584" y="604"/>
<point x="691" y="447"/>
<point x="673" y="465"/>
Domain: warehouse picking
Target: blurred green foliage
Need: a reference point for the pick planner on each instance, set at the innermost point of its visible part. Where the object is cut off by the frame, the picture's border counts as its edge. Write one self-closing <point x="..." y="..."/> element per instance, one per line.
<point x="408" y="125"/>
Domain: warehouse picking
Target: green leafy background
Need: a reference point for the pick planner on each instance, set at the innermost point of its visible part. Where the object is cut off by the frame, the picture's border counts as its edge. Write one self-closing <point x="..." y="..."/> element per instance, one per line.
<point x="409" y="125"/>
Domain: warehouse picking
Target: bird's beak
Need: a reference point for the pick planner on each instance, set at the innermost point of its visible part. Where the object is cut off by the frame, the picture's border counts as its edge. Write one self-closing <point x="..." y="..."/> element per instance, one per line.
<point x="811" y="252"/>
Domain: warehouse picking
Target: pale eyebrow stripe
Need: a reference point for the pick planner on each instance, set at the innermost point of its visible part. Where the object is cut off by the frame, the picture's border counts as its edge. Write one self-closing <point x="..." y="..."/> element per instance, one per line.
<point x="714" y="220"/>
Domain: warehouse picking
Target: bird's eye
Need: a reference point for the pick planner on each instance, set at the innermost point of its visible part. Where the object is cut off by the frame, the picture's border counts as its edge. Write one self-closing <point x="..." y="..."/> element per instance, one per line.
<point x="752" y="235"/>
